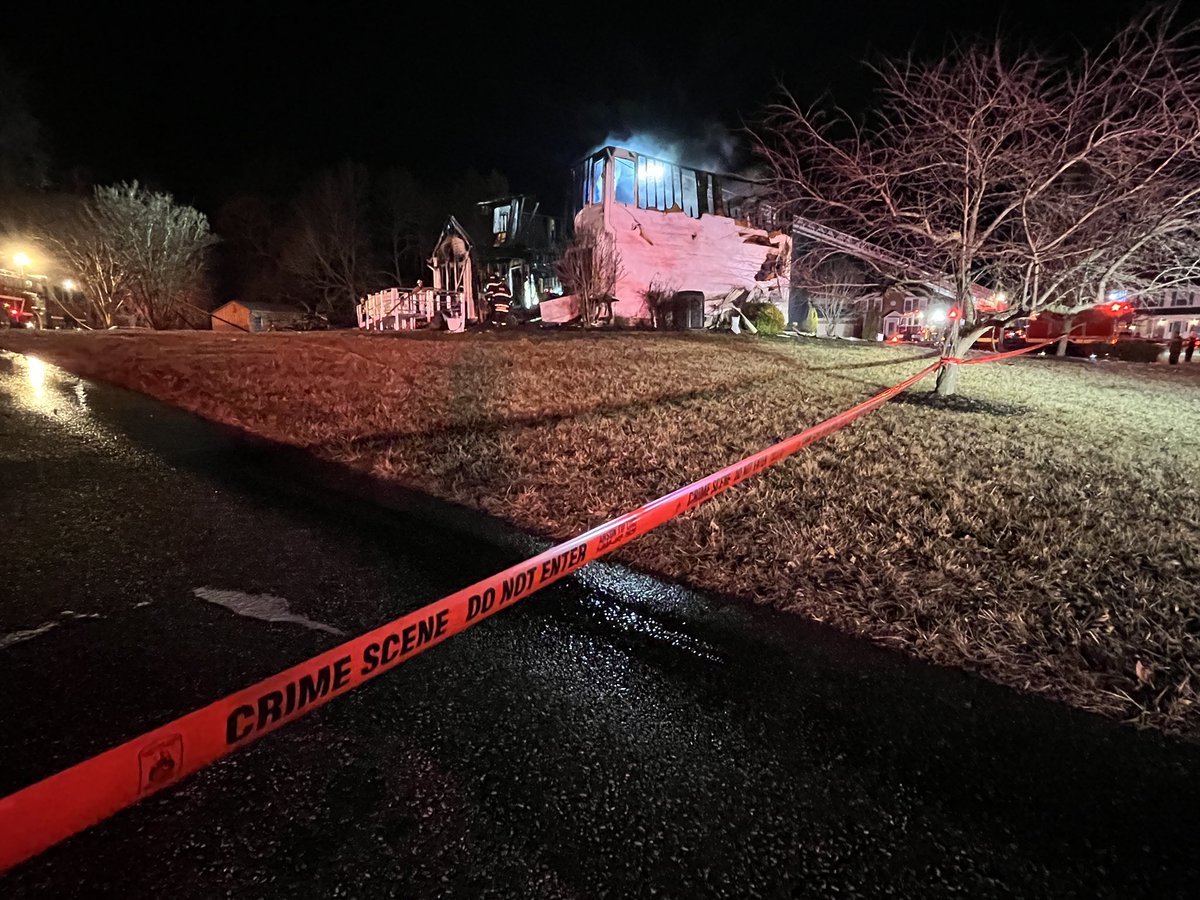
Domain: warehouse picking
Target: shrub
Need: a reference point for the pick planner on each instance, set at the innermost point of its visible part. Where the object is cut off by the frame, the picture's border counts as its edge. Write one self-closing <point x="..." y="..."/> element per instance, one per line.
<point x="661" y="303"/>
<point x="766" y="317"/>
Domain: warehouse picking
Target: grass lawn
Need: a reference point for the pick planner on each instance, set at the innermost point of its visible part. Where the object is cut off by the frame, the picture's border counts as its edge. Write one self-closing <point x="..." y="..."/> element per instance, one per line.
<point x="1043" y="529"/>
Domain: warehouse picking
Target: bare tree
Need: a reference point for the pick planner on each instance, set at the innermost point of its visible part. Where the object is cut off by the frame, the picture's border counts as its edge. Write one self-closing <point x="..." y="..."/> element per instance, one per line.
<point x="328" y="245"/>
<point x="590" y="268"/>
<point x="1013" y="185"/>
<point x="137" y="251"/>
<point x="91" y="253"/>
<point x="251" y="230"/>
<point x="837" y="287"/>
<point x="404" y="225"/>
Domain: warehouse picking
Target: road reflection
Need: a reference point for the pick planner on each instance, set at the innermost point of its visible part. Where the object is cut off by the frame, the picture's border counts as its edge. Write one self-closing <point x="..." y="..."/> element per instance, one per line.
<point x="35" y="369"/>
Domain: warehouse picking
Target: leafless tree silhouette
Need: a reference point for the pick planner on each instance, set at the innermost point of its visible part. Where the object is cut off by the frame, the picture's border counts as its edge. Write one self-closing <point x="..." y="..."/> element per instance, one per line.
<point x="1054" y="181"/>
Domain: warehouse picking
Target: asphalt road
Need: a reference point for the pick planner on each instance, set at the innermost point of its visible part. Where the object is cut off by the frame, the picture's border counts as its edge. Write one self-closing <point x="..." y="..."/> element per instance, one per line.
<point x="610" y="737"/>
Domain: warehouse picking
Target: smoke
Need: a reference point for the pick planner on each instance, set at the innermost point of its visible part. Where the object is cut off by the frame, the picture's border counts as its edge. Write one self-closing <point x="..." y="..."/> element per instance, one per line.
<point x="713" y="150"/>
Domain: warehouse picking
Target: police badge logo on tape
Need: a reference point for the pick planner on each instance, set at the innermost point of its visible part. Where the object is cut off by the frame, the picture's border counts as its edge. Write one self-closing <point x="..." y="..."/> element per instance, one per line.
<point x="160" y="762"/>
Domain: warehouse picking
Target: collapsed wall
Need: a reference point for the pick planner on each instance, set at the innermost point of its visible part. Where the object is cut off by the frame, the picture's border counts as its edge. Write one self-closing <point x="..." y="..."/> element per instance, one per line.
<point x="712" y="254"/>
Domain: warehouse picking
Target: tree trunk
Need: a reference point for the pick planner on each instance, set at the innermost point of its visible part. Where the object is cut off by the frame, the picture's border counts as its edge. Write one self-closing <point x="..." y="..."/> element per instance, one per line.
<point x="1067" y="325"/>
<point x="947" y="381"/>
<point x="947" y="376"/>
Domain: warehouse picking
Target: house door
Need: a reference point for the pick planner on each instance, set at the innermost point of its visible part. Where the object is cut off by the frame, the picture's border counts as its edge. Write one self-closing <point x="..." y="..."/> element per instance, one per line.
<point x="891" y="324"/>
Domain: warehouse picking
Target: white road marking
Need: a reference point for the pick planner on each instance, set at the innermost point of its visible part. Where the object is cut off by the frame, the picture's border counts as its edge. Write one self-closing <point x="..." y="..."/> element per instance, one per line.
<point x="266" y="607"/>
<point x="15" y="637"/>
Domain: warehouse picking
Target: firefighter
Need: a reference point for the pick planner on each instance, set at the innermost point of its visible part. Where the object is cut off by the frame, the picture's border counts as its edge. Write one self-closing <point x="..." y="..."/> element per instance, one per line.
<point x="1174" y="348"/>
<point x="499" y="299"/>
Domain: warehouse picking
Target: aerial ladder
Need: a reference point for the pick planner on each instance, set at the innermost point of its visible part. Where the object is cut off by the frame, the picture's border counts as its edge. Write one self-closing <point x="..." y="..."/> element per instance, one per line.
<point x="985" y="299"/>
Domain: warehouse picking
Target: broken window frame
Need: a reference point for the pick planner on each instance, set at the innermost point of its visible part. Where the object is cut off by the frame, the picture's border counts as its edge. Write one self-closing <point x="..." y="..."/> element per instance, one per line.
<point x="667" y="187"/>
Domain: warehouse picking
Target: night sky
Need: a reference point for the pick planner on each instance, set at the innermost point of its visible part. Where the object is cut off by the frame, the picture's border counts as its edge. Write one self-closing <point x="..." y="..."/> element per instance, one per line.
<point x="207" y="101"/>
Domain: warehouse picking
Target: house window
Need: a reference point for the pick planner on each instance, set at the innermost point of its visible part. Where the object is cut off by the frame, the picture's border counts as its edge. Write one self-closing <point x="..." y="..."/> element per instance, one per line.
<point x="690" y="197"/>
<point x="583" y="186"/>
<point x="598" y="180"/>
<point x="655" y="184"/>
<point x="501" y="220"/>
<point x="1182" y="298"/>
<point x="908" y="304"/>
<point x="624" y="181"/>
<point x="665" y="187"/>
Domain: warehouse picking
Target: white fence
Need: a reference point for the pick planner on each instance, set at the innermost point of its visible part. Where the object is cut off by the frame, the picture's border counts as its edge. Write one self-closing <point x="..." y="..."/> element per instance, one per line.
<point x="398" y="309"/>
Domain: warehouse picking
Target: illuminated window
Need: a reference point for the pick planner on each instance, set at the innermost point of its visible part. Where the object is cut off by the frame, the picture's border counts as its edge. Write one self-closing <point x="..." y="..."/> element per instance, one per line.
<point x="624" y="181"/>
<point x="690" y="197"/>
<point x="500" y="219"/>
<point x="670" y="188"/>
<point x="598" y="180"/>
<point x="651" y="190"/>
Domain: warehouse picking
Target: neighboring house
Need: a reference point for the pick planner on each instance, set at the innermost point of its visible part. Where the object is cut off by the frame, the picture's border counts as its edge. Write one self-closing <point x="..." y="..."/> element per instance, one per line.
<point x="237" y="315"/>
<point x="896" y="312"/>
<point x="881" y="317"/>
<point x="1168" y="313"/>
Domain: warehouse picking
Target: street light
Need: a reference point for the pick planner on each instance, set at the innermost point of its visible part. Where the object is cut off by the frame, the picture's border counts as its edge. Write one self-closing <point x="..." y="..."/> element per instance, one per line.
<point x="68" y="284"/>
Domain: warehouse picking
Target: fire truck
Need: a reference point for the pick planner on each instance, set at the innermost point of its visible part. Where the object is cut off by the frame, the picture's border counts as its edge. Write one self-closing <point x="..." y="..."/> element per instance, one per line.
<point x="1095" y="324"/>
<point x="23" y="300"/>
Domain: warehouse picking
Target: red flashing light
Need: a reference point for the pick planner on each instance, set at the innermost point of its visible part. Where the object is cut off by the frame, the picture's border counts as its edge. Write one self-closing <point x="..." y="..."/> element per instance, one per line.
<point x="954" y="313"/>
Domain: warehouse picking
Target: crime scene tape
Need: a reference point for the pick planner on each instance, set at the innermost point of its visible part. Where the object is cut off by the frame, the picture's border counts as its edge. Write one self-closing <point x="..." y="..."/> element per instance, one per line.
<point x="992" y="357"/>
<point x="41" y="815"/>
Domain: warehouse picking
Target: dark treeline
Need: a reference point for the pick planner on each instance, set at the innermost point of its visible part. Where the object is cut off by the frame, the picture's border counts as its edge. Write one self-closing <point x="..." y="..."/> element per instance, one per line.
<point x="319" y="241"/>
<point x="343" y="232"/>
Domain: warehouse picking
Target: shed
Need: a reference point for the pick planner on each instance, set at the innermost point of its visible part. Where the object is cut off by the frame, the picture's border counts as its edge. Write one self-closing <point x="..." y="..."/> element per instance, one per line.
<point x="238" y="315"/>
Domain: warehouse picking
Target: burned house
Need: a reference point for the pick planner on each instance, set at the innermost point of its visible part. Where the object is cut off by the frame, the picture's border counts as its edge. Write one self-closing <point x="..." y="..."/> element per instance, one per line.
<point x="707" y="235"/>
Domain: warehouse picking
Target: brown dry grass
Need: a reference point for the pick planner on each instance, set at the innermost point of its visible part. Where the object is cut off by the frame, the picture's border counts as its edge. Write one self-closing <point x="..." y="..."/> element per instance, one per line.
<point x="1045" y="534"/>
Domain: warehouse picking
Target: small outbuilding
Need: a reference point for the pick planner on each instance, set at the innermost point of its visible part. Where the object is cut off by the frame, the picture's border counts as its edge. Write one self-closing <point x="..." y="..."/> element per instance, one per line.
<point x="238" y="315"/>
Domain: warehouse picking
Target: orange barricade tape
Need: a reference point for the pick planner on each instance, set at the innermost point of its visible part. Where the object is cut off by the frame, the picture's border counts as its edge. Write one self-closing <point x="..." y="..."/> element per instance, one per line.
<point x="39" y="816"/>
<point x="992" y="357"/>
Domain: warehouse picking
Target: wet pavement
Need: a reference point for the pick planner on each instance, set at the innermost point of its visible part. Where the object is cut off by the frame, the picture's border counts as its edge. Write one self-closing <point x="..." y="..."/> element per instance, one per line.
<point x="612" y="736"/>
